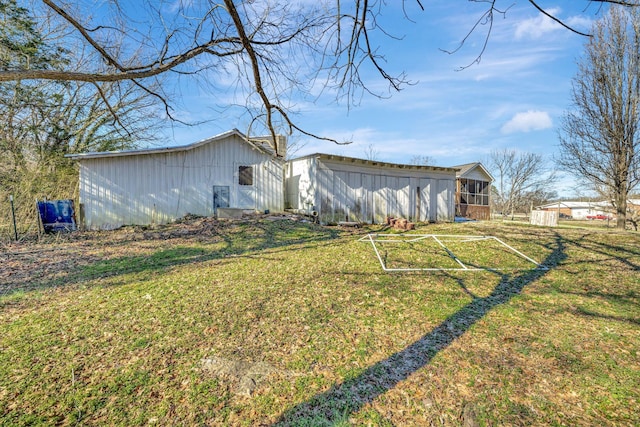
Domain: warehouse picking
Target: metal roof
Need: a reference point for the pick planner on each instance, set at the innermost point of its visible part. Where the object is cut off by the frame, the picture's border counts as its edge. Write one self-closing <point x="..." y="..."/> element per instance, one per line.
<point x="573" y="204"/>
<point x="256" y="143"/>
<point x="354" y="160"/>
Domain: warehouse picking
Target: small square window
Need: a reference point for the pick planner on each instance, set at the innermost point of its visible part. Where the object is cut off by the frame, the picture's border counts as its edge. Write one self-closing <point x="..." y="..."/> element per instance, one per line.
<point x="245" y="175"/>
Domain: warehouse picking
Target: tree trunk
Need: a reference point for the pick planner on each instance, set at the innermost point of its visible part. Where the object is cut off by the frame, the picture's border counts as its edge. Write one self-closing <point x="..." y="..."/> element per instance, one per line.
<point x="621" y="209"/>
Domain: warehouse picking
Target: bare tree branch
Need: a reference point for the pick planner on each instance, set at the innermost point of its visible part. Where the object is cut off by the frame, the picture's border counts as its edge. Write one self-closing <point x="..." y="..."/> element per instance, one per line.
<point x="557" y="20"/>
<point x="261" y="44"/>
<point x="519" y="177"/>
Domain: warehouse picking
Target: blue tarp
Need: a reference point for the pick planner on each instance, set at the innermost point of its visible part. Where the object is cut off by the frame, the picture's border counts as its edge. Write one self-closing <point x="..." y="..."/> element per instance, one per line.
<point x="57" y="215"/>
<point x="463" y="219"/>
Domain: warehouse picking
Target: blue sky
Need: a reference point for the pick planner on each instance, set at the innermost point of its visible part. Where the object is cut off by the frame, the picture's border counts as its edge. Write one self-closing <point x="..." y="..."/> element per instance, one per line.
<point x="513" y="98"/>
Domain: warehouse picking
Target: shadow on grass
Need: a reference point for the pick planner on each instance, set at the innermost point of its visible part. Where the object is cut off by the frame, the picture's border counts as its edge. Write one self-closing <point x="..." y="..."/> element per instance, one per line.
<point x="581" y="311"/>
<point x="342" y="400"/>
<point x="625" y="255"/>
<point x="236" y="240"/>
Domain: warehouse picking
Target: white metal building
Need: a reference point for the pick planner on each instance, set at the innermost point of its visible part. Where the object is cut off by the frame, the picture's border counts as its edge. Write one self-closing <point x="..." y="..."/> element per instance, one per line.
<point x="341" y="188"/>
<point x="162" y="184"/>
<point x="585" y="210"/>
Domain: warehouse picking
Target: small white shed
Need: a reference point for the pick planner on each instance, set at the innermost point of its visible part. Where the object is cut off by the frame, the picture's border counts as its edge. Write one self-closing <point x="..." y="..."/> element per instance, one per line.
<point x="162" y="184"/>
<point x="341" y="188"/>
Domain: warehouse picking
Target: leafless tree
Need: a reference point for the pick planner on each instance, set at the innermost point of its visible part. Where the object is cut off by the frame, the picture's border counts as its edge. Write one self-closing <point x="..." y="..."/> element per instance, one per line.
<point x="599" y="136"/>
<point x="422" y="160"/>
<point x="520" y="179"/>
<point x="272" y="47"/>
<point x="371" y="153"/>
<point x="633" y="214"/>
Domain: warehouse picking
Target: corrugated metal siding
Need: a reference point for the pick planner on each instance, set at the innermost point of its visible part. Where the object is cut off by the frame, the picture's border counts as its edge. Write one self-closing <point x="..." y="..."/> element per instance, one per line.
<point x="353" y="192"/>
<point x="301" y="192"/>
<point x="158" y="188"/>
<point x="445" y="207"/>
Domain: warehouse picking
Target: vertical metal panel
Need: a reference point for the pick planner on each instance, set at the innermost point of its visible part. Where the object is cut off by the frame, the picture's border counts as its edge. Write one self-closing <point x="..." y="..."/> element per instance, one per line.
<point x="355" y="191"/>
<point x="341" y="208"/>
<point x="414" y="210"/>
<point x="391" y="194"/>
<point x="300" y="184"/>
<point x="425" y="199"/>
<point x="311" y="200"/>
<point x="433" y="200"/>
<point x="326" y="198"/>
<point x="379" y="198"/>
<point x="404" y="199"/>
<point x="367" y="189"/>
<point x="445" y="200"/>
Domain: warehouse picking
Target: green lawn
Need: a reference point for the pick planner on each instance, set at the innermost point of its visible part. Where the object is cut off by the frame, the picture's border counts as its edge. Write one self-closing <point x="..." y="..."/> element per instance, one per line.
<point x="288" y="323"/>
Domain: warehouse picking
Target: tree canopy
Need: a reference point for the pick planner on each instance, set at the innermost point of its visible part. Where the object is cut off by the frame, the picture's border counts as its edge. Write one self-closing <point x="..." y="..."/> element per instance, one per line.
<point x="42" y="120"/>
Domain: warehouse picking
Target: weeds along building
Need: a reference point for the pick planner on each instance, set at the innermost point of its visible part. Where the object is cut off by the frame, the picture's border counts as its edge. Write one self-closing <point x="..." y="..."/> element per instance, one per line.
<point x="338" y="188"/>
<point x="159" y="185"/>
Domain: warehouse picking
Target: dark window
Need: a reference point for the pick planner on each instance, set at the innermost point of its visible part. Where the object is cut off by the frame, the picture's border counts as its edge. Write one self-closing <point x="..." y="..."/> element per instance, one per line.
<point x="485" y="188"/>
<point x="474" y="192"/>
<point x="245" y="175"/>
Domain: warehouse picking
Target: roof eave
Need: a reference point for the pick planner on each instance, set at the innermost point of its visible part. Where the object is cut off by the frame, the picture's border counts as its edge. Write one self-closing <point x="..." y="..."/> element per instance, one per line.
<point x="162" y="150"/>
<point x="376" y="163"/>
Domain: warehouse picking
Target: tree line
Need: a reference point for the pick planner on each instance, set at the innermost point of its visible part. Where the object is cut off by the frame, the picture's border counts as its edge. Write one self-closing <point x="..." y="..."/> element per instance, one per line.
<point x="44" y="120"/>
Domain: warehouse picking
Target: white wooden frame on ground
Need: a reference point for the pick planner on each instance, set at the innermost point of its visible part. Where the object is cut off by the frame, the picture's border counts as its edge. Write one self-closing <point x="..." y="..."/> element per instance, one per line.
<point x="396" y="238"/>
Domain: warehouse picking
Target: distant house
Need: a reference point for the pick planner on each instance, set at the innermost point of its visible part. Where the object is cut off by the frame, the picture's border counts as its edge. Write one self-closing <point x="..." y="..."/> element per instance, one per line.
<point x="568" y="209"/>
<point x="473" y="189"/>
<point x="159" y="185"/>
<point x="339" y="188"/>
<point x="587" y="209"/>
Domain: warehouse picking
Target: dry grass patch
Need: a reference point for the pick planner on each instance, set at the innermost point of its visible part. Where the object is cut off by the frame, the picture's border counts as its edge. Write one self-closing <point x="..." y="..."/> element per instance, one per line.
<point x="117" y="335"/>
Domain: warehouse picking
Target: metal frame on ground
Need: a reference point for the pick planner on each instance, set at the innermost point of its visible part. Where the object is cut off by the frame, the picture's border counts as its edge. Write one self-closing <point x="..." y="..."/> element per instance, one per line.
<point x="396" y="238"/>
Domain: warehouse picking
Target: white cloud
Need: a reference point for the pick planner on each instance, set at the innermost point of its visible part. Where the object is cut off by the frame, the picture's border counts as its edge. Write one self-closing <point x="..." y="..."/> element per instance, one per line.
<point x="541" y="25"/>
<point x="527" y="122"/>
<point x="537" y="27"/>
<point x="580" y="22"/>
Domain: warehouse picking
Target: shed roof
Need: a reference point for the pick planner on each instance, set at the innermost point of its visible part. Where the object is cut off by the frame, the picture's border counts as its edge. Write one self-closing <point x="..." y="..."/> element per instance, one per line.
<point x="256" y="143"/>
<point x="354" y="160"/>
<point x="468" y="167"/>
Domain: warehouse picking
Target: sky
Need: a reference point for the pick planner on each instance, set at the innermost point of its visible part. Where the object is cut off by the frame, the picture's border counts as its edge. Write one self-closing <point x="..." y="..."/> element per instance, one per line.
<point x="456" y="111"/>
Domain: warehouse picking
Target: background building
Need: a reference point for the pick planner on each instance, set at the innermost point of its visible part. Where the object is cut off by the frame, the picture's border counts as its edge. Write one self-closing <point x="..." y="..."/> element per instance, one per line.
<point x="155" y="186"/>
<point x="339" y="188"/>
<point x="473" y="189"/>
